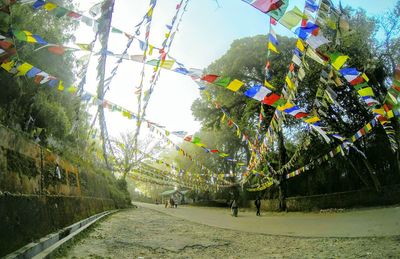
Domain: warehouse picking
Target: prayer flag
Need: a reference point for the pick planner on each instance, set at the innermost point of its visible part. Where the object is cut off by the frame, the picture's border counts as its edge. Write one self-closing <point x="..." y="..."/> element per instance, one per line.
<point x="278" y="13"/>
<point x="311" y="6"/>
<point x="49" y="6"/>
<point x="286" y="106"/>
<point x="209" y="78"/>
<point x="296" y="60"/>
<point x="300" y="45"/>
<point x="222" y="81"/>
<point x="167" y="64"/>
<point x="60" y="11"/>
<point x="271" y="99"/>
<point x="73" y="15"/>
<point x="257" y="92"/>
<point x="289" y="83"/>
<point x="273" y="38"/>
<point x="338" y="60"/>
<point x="312" y="119"/>
<point x="82" y="46"/>
<point x="38" y="4"/>
<point x="33" y="72"/>
<point x="366" y="92"/>
<point x="265" y="6"/>
<point x="272" y="47"/>
<point x="57" y="50"/>
<point x="235" y="85"/>
<point x="8" y="66"/>
<point x="316" y="41"/>
<point x="23" y="69"/>
<point x="291" y="18"/>
<point x="267" y="84"/>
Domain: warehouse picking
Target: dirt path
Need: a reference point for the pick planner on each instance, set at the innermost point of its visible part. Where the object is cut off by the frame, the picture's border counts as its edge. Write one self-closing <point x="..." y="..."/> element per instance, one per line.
<point x="145" y="233"/>
<point x="354" y="223"/>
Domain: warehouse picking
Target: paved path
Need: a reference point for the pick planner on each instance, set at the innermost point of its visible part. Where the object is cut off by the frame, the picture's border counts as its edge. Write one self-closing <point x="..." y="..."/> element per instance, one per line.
<point x="355" y="223"/>
<point x="146" y="233"/>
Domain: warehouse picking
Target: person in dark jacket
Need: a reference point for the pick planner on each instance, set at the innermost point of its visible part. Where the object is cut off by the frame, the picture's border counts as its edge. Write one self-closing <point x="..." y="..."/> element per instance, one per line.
<point x="257" y="202"/>
<point x="234" y="208"/>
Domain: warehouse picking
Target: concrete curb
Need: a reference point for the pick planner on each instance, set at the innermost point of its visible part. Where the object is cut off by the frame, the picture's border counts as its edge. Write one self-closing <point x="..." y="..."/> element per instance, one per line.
<point x="48" y="244"/>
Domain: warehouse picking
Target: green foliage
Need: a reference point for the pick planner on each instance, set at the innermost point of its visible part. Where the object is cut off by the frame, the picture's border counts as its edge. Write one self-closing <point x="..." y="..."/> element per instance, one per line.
<point x="245" y="60"/>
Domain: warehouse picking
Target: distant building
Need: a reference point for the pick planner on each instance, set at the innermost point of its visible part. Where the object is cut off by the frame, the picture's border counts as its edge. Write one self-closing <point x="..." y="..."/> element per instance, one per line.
<point x="177" y="195"/>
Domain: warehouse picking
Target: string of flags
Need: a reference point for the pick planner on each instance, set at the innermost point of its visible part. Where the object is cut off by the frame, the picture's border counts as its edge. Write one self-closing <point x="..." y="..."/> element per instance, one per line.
<point x="290" y="88"/>
<point x="382" y="115"/>
<point x="181" y="172"/>
<point x="40" y="77"/>
<point x="337" y="150"/>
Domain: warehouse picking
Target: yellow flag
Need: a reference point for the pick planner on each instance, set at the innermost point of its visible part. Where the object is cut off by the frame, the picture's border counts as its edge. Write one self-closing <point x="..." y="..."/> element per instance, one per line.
<point x="30" y="39"/>
<point x="289" y="82"/>
<point x="24" y="68"/>
<point x="84" y="46"/>
<point x="49" y="6"/>
<point x="235" y="85"/>
<point x="8" y="66"/>
<point x="150" y="12"/>
<point x="223" y="118"/>
<point x="287" y="105"/>
<point x="61" y="86"/>
<point x="369" y="127"/>
<point x="272" y="47"/>
<point x="267" y="84"/>
<point x="167" y="64"/>
<point x="312" y="119"/>
<point x="390" y="114"/>
<point x="379" y="111"/>
<point x="365" y="77"/>
<point x="367" y="91"/>
<point x="300" y="45"/>
<point x="151" y="47"/>
<point x="72" y="89"/>
<point x="339" y="62"/>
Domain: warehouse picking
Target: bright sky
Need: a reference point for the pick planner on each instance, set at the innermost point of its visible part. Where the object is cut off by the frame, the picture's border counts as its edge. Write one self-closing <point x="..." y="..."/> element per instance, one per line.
<point x="205" y="34"/>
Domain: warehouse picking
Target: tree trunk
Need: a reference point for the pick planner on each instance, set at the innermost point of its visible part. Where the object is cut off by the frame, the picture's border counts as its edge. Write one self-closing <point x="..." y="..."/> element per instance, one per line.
<point x="396" y="128"/>
<point x="372" y="173"/>
<point x="104" y="28"/>
<point x="359" y="174"/>
<point x="282" y="179"/>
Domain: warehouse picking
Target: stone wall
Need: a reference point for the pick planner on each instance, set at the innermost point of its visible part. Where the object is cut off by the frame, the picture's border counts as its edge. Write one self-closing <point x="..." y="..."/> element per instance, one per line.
<point x="25" y="218"/>
<point x="360" y="198"/>
<point x="27" y="168"/>
<point x="35" y="202"/>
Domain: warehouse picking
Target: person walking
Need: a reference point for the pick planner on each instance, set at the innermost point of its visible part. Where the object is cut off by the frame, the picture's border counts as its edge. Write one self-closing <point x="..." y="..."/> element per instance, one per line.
<point x="257" y="202"/>
<point x="234" y="208"/>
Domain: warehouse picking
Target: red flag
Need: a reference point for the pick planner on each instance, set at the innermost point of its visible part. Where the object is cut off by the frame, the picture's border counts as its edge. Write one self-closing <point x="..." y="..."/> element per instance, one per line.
<point x="188" y="138"/>
<point x="272" y="21"/>
<point x="57" y="50"/>
<point x="74" y="15"/>
<point x="357" y="80"/>
<point x="5" y="44"/>
<point x="38" y="78"/>
<point x="291" y="67"/>
<point x="300" y="115"/>
<point x="266" y="6"/>
<point x="271" y="99"/>
<point x="268" y="65"/>
<point x="209" y="78"/>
